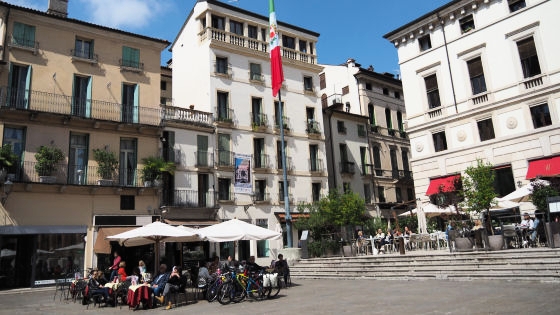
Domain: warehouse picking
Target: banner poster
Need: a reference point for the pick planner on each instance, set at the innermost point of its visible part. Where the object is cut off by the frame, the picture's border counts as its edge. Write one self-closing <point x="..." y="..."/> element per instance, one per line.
<point x="242" y="184"/>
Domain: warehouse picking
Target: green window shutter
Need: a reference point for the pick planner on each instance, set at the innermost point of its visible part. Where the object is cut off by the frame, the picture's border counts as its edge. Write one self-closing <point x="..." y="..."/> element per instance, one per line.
<point x="28" y="86"/>
<point x="18" y="33"/>
<point x="136" y="102"/>
<point x="88" y="98"/>
<point x="30" y="35"/>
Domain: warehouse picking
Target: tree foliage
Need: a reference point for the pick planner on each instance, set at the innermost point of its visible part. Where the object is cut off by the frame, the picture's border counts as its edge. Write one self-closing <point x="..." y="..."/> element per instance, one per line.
<point x="478" y="187"/>
<point x="541" y="192"/>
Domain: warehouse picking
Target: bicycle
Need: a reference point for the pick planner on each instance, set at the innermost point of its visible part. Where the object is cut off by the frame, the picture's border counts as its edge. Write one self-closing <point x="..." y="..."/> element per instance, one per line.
<point x="213" y="286"/>
<point x="240" y="285"/>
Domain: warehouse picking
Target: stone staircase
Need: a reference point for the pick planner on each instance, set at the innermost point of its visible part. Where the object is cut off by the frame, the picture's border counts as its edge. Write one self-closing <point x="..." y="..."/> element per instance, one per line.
<point x="531" y="264"/>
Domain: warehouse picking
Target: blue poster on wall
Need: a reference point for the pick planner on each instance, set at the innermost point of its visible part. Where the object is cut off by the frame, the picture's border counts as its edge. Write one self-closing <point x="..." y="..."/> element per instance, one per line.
<point x="242" y="183"/>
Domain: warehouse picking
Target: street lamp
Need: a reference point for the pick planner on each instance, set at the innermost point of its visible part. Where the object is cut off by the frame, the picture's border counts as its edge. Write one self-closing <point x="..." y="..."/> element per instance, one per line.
<point x="7" y="189"/>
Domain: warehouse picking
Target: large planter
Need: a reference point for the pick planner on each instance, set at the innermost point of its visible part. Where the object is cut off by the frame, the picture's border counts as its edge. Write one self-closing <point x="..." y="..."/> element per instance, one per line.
<point x="496" y="242"/>
<point x="463" y="244"/>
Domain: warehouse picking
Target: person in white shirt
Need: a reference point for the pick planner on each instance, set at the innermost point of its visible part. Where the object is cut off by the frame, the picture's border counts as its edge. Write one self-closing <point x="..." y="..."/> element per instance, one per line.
<point x="527" y="222"/>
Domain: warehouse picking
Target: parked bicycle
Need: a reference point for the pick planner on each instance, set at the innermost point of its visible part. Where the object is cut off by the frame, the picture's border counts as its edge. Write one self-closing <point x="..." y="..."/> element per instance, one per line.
<point x="259" y="285"/>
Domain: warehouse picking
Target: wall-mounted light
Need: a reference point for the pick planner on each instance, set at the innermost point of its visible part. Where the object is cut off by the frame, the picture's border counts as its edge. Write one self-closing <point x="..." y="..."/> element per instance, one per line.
<point x="519" y="184"/>
<point x="54" y="76"/>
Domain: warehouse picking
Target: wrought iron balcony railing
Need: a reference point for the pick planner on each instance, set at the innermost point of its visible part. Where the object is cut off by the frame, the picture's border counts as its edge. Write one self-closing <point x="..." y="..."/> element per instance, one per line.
<point x="45" y="102"/>
<point x="316" y="165"/>
<point x="24" y="43"/>
<point x="313" y="127"/>
<point x="225" y="158"/>
<point x="190" y="198"/>
<point x="261" y="161"/>
<point x="258" y="120"/>
<point x="204" y="159"/>
<point x="347" y="167"/>
<point x="131" y="65"/>
<point x="224" y="115"/>
<point x="87" y="56"/>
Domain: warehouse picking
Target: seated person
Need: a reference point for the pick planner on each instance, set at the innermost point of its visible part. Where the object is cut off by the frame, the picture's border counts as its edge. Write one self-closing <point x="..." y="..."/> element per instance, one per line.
<point x="95" y="287"/>
<point x="387" y="240"/>
<point x="173" y="283"/>
<point x="158" y="285"/>
<point x="214" y="265"/>
<point x="477" y="231"/>
<point x="204" y="276"/>
<point x="525" y="225"/>
<point x="101" y="277"/>
<point x="378" y="238"/>
<point x="281" y="267"/>
<point x="360" y="240"/>
<point x="251" y="266"/>
<point x="533" y="231"/>
<point x="135" y="277"/>
<point x="406" y="234"/>
<point x="122" y="272"/>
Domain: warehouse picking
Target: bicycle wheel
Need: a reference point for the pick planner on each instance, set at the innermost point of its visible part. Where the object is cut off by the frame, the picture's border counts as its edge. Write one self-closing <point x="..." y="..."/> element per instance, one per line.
<point x="275" y="288"/>
<point x="224" y="293"/>
<point x="238" y="292"/>
<point x="212" y="291"/>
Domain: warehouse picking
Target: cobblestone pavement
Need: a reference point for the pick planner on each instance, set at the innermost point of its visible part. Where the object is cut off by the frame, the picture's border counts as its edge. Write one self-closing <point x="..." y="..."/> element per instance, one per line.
<point x="338" y="297"/>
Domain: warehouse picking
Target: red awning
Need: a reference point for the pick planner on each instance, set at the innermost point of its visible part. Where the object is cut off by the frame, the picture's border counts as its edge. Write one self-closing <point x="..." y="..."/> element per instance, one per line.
<point x="446" y="184"/>
<point x="547" y="167"/>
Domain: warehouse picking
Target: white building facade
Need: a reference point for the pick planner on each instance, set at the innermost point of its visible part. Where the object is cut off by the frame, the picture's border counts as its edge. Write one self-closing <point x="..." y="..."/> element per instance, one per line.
<point x="367" y="144"/>
<point x="481" y="80"/>
<point x="221" y="66"/>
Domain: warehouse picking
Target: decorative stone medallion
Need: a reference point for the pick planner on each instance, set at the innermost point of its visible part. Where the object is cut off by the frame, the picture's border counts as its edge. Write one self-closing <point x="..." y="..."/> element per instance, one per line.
<point x="511" y="123"/>
<point x="461" y="135"/>
<point x="419" y="147"/>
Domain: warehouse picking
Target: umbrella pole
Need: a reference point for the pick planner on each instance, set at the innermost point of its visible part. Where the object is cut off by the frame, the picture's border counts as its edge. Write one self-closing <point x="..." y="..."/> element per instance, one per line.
<point x="156" y="262"/>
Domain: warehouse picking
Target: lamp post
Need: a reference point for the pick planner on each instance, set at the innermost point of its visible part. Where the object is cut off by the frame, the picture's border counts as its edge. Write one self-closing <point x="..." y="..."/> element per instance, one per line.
<point x="7" y="189"/>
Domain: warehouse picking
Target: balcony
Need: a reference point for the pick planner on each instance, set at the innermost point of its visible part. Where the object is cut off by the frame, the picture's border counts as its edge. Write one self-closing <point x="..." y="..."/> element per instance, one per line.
<point x="64" y="174"/>
<point x="166" y="101"/>
<point x="533" y="82"/>
<point x="189" y="198"/>
<point x="24" y="44"/>
<point x="225" y="159"/>
<point x="131" y="65"/>
<point x="391" y="132"/>
<point x="316" y="166"/>
<point x="313" y="128"/>
<point x="226" y="39"/>
<point x="189" y="116"/>
<point x="261" y="162"/>
<point x="256" y="78"/>
<point x="281" y="198"/>
<point x="261" y="197"/>
<point x="44" y="102"/>
<point x="204" y="159"/>
<point x="334" y="99"/>
<point x="259" y="121"/>
<point x="347" y="168"/>
<point x="367" y="169"/>
<point x="286" y="121"/>
<point x="374" y="128"/>
<point x="289" y="164"/>
<point x="223" y="70"/>
<point x="84" y="56"/>
<point x="224" y="117"/>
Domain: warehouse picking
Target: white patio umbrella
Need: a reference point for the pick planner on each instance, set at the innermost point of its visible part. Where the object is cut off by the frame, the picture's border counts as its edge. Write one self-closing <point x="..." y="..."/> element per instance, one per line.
<point x="237" y="230"/>
<point x="524" y="193"/>
<point x="72" y="247"/>
<point x="154" y="233"/>
<point x="431" y="210"/>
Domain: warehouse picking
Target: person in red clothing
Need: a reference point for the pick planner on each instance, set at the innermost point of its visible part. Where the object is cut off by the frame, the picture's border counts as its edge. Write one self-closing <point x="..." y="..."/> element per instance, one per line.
<point x="121" y="272"/>
<point x="115" y="267"/>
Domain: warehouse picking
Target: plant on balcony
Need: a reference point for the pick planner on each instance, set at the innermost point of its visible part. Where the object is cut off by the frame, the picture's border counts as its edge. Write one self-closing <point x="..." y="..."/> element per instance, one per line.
<point x="47" y="158"/>
<point x="8" y="159"/>
<point x="154" y="167"/>
<point x="107" y="164"/>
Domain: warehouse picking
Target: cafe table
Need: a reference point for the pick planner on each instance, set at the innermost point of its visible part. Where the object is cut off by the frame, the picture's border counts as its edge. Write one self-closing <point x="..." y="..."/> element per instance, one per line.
<point x="139" y="293"/>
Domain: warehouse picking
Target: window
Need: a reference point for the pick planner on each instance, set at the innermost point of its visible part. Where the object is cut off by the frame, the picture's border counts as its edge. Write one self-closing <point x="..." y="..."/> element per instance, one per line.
<point x="15" y="136"/>
<point x="432" y="91"/>
<point x="367" y="193"/>
<point x="202" y="151"/>
<point x="541" y="116"/>
<point x="236" y="27"/>
<point x="504" y="182"/>
<point x="397" y="95"/>
<point x="279" y="153"/>
<point x="398" y="194"/>
<point x="466" y="24"/>
<point x="515" y="5"/>
<point x="252" y="32"/>
<point x="340" y="126"/>
<point x="281" y="190"/>
<point x="394" y="164"/>
<point x="381" y="193"/>
<point x="258" y="153"/>
<point x="223" y="189"/>
<point x="311" y="48"/>
<point x="222" y="65"/>
<point x="485" y="129"/>
<point x="388" y="119"/>
<point x="476" y="74"/>
<point x="322" y="81"/>
<point x="346" y="187"/>
<point x="313" y="158"/>
<point x="23" y="35"/>
<point x="528" y="57"/>
<point x="128" y="161"/>
<point x="163" y="85"/>
<point x="78" y="159"/>
<point x="424" y="42"/>
<point x="263" y="248"/>
<point x="368" y="86"/>
<point x="440" y="142"/>
<point x="371" y="114"/>
<point x="20" y="85"/>
<point x="400" y="121"/>
<point x="127" y="202"/>
<point x="224" y="153"/>
<point x="279" y="118"/>
<point x="410" y="194"/>
<point x="256" y="114"/>
<point x="303" y="46"/>
<point x="377" y="161"/>
<point x="361" y="131"/>
<point x="404" y="157"/>
<point x="255" y="72"/>
<point x="345" y="90"/>
<point x="343" y="153"/>
<point x="130" y="57"/>
<point x="81" y="97"/>
<point x="130" y="103"/>
<point x="260" y="190"/>
<point x="308" y="83"/>
<point x="218" y="22"/>
<point x="288" y="42"/>
<point x="385" y="91"/>
<point x="316" y="191"/>
<point x="223" y="106"/>
<point x="83" y="48"/>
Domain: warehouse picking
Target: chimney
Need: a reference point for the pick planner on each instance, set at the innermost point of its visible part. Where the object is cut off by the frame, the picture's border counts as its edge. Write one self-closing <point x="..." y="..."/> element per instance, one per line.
<point x="58" y="8"/>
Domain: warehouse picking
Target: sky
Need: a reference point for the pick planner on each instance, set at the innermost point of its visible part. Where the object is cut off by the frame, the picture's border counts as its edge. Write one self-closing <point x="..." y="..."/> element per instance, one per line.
<point x="348" y="28"/>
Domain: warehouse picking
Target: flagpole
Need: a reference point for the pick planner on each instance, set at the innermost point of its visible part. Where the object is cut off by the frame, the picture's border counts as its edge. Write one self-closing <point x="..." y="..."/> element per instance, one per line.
<point x="285" y="173"/>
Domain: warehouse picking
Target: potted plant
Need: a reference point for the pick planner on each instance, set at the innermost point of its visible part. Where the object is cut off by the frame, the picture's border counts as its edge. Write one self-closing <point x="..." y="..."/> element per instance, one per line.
<point x="8" y="160"/>
<point x="154" y="167"/>
<point x="107" y="163"/>
<point x="47" y="159"/>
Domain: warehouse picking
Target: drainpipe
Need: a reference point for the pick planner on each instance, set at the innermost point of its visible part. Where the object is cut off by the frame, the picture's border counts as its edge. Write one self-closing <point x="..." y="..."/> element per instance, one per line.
<point x="373" y="193"/>
<point x="442" y="23"/>
<point x="329" y="115"/>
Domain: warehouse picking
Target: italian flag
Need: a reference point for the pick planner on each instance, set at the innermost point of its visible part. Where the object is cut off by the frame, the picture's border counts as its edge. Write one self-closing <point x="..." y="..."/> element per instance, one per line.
<point x="275" y="55"/>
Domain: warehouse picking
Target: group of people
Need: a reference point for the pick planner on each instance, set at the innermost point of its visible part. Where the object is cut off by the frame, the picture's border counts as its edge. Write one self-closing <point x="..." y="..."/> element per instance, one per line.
<point x="381" y="240"/>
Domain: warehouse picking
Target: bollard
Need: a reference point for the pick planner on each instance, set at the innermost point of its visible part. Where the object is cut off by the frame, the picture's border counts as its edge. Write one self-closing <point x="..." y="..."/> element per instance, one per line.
<point x="401" y="245"/>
